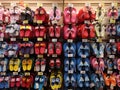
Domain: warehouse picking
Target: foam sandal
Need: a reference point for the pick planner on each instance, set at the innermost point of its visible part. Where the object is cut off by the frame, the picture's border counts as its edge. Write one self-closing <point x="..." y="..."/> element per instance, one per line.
<point x="50" y="48"/>
<point x="66" y="64"/>
<point x="58" y="47"/>
<point x="80" y="80"/>
<point x="73" y="64"/>
<point x="58" y="63"/>
<point x="42" y="48"/>
<point x="29" y="64"/>
<point x="18" y="81"/>
<point x="52" y="63"/>
<point x="52" y="81"/>
<point x="37" y="48"/>
<point x="59" y="80"/>
<point x="36" y="83"/>
<point x="12" y="82"/>
<point x="41" y="80"/>
<point x="43" y="65"/>
<point x="24" y="62"/>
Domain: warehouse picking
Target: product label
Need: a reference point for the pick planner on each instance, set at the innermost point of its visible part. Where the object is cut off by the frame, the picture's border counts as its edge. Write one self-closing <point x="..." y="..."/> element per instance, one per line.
<point x="54" y="40"/>
<point x="1" y="39"/>
<point x="40" y="73"/>
<point x="70" y="40"/>
<point x="26" y="55"/>
<point x="39" y="39"/>
<point x="25" y="39"/>
<point x="13" y="39"/>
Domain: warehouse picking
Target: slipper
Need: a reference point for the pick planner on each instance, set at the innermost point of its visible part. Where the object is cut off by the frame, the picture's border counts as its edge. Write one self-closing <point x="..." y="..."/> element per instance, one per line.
<point x="102" y="82"/>
<point x="18" y="81"/>
<point x="28" y="31"/>
<point x="87" y="80"/>
<point x="42" y="48"/>
<point x="37" y="34"/>
<point x="70" y="15"/>
<point x="101" y="64"/>
<point x="6" y="16"/>
<point x="80" y="80"/>
<point x="66" y="64"/>
<point x="58" y="47"/>
<point x="43" y="65"/>
<point x="80" y="64"/>
<point x="16" y="65"/>
<point x="73" y="64"/>
<point x="58" y="63"/>
<point x="118" y="64"/>
<point x="50" y="48"/>
<point x="52" y="63"/>
<point x="98" y="29"/>
<point x="24" y="62"/>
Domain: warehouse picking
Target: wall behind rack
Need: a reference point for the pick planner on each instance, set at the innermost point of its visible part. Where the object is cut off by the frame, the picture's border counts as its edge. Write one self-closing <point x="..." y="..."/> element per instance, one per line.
<point x="48" y="3"/>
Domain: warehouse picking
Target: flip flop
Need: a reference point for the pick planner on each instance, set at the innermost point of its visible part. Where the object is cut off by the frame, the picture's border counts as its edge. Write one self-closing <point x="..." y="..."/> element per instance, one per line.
<point x="107" y="80"/>
<point x="94" y="63"/>
<point x="73" y="64"/>
<point x="22" y="31"/>
<point x="118" y="80"/>
<point x="87" y="64"/>
<point x="58" y="47"/>
<point x="118" y="29"/>
<point x="101" y="64"/>
<point x="118" y="64"/>
<point x="50" y="48"/>
<point x="18" y="81"/>
<point x="73" y="80"/>
<point x="113" y="80"/>
<point x="37" y="65"/>
<point x="23" y="81"/>
<point x="59" y="80"/>
<point x="12" y="82"/>
<point x="36" y="83"/>
<point x="87" y="80"/>
<point x="52" y="81"/>
<point x="42" y="31"/>
<point x="41" y="80"/>
<point x="80" y="80"/>
<point x="95" y="80"/>
<point x="24" y="62"/>
<point x="66" y="64"/>
<point x="29" y="81"/>
<point x="51" y="31"/>
<point x="52" y="63"/>
<point x="58" y="31"/>
<point x="70" y="15"/>
<point x="69" y="48"/>
<point x="29" y="64"/>
<point x="43" y="65"/>
<point x="66" y="80"/>
<point x="17" y="64"/>
<point x="80" y="64"/>
<point x="58" y="63"/>
<point x="11" y="68"/>
<point x="37" y="34"/>
<point x="102" y="82"/>
<point x="42" y="48"/>
<point x="37" y="51"/>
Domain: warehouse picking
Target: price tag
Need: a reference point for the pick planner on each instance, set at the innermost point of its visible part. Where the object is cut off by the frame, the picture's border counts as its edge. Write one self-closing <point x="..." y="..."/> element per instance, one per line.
<point x="15" y="73"/>
<point x="70" y="89"/>
<point x="54" y="55"/>
<point x="112" y="87"/>
<point x="40" y="73"/>
<point x="1" y="39"/>
<point x="27" y="73"/>
<point x="2" y="56"/>
<point x="40" y="56"/>
<point x="70" y="40"/>
<point x="112" y="40"/>
<point x="26" y="55"/>
<point x="82" y="72"/>
<point x="97" y="72"/>
<point x="13" y="39"/>
<point x="39" y="21"/>
<point x="39" y="39"/>
<point x="84" y="40"/>
<point x="25" y="39"/>
<point x="25" y="22"/>
<point x="54" y="40"/>
<point x="109" y="72"/>
<point x="92" y="85"/>
<point x="112" y="20"/>
<point x="111" y="56"/>
<point x="3" y="73"/>
<point x="70" y="71"/>
<point x="115" y="67"/>
<point x="70" y="55"/>
<point x="54" y="22"/>
<point x="99" y="40"/>
<point x="83" y="56"/>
